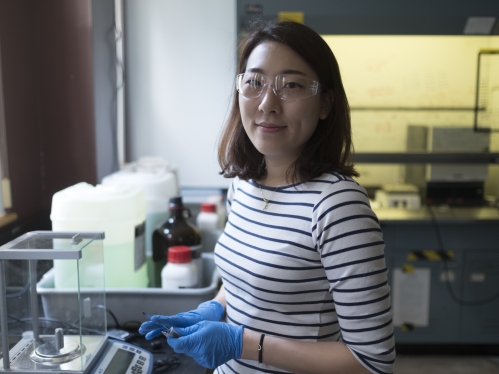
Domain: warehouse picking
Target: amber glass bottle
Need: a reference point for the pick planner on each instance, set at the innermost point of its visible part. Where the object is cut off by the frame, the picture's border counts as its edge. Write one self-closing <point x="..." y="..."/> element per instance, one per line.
<point x="175" y="231"/>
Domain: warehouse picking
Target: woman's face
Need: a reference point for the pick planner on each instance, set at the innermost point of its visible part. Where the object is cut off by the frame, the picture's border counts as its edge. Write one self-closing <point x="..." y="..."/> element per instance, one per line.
<point x="278" y="128"/>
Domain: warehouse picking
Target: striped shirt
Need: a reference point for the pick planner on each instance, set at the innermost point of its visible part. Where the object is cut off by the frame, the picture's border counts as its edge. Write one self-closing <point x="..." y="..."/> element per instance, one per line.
<point x="311" y="268"/>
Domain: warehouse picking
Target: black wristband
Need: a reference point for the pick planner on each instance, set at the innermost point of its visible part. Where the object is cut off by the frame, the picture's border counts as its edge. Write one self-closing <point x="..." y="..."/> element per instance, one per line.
<point x="260" y="349"/>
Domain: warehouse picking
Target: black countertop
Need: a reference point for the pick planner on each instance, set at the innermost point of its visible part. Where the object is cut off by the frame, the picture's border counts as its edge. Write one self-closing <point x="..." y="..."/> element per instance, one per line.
<point x="163" y="352"/>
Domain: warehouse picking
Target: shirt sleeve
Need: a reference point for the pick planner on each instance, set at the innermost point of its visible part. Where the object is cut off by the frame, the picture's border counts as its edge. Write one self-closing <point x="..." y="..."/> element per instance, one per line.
<point x="349" y="239"/>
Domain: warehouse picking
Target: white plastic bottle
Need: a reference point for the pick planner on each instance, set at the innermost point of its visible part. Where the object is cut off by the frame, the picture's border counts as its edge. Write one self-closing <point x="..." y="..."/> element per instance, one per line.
<point x="208" y="222"/>
<point x="220" y="202"/>
<point x="158" y="179"/>
<point x="208" y="218"/>
<point x="179" y="271"/>
<point x="119" y="211"/>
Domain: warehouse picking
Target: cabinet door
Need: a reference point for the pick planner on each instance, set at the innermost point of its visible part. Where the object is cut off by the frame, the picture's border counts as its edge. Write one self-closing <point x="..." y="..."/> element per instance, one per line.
<point x="444" y="314"/>
<point x="480" y="324"/>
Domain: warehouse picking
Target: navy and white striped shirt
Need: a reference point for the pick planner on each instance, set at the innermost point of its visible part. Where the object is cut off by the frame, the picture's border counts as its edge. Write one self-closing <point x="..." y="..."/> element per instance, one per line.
<point x="311" y="267"/>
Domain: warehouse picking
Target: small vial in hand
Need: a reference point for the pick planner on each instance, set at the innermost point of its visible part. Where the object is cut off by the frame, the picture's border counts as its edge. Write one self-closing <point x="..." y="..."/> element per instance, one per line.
<point x="170" y="332"/>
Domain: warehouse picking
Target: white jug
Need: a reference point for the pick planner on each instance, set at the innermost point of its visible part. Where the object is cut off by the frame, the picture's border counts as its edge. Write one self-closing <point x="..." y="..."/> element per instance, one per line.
<point x="119" y="211"/>
<point x="158" y="179"/>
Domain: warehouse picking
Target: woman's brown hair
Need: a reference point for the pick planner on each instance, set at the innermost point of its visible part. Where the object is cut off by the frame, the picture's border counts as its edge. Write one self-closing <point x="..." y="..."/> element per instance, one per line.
<point x="330" y="146"/>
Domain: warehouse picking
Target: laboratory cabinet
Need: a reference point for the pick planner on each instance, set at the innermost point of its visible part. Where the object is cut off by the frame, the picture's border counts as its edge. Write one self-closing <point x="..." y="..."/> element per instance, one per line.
<point x="446" y="262"/>
<point x="444" y="315"/>
<point x="480" y="323"/>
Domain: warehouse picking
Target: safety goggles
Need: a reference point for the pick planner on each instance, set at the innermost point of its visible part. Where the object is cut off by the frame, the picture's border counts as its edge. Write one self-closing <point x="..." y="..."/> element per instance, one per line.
<point x="285" y="86"/>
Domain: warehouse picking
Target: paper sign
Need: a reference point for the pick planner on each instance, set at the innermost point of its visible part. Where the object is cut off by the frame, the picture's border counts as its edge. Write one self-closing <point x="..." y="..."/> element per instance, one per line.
<point x="292" y="16"/>
<point x="479" y="25"/>
<point x="411" y="297"/>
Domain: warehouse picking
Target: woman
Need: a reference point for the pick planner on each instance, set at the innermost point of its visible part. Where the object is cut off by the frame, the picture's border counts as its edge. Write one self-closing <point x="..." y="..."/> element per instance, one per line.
<point x="302" y="255"/>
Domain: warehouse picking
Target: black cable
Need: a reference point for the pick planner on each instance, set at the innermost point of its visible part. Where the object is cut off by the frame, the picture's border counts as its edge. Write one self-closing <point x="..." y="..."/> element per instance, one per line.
<point x="135" y="325"/>
<point x="161" y="366"/>
<point x="41" y="319"/>
<point x="110" y="313"/>
<point x="67" y="326"/>
<point x="22" y="290"/>
<point x="448" y="285"/>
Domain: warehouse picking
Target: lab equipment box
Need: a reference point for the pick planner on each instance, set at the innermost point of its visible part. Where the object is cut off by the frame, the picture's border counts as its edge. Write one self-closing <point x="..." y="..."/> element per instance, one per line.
<point x="31" y="342"/>
<point x="126" y="304"/>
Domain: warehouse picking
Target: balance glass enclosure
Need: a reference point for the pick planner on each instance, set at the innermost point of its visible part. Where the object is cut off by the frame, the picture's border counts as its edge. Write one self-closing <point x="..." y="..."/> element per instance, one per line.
<point x="68" y="334"/>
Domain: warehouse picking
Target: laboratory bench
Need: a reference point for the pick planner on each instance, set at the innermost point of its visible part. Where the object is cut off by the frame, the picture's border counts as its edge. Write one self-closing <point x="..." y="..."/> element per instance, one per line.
<point x="442" y="214"/>
<point x="443" y="269"/>
<point x="457" y="247"/>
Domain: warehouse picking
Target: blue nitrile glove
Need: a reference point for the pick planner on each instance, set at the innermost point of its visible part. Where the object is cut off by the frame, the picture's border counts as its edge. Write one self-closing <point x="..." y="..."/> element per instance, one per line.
<point x="211" y="344"/>
<point x="207" y="311"/>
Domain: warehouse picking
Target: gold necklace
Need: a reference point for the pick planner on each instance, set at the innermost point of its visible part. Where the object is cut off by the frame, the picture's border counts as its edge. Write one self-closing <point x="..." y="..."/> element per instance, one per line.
<point x="267" y="201"/>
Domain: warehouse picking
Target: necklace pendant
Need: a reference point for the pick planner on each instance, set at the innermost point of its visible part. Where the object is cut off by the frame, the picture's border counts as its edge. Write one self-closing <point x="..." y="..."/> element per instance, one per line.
<point x="267" y="201"/>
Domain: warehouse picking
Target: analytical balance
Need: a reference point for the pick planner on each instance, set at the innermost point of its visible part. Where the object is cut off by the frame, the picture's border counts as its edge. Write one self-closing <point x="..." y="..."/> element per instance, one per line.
<point x="75" y="339"/>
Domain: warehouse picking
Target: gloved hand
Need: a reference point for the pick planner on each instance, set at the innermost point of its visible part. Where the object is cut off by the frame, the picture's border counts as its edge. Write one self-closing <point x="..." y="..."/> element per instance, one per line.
<point x="211" y="344"/>
<point x="207" y="311"/>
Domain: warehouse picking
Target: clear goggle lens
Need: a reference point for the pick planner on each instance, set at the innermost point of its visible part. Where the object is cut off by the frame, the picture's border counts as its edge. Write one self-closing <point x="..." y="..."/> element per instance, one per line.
<point x="286" y="86"/>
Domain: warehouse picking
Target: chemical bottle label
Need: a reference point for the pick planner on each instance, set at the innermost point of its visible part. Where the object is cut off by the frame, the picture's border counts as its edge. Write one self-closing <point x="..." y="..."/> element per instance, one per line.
<point x="140" y="246"/>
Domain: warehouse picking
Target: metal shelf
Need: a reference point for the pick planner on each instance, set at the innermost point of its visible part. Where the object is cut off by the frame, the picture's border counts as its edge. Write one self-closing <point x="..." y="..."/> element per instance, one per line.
<point x="425" y="158"/>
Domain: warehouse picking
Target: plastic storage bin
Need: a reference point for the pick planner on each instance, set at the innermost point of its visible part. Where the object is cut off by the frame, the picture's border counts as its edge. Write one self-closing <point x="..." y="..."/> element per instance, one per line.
<point x="127" y="304"/>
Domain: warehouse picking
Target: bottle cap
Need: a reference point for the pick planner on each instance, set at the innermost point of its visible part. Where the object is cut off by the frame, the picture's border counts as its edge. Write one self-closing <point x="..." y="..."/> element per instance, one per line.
<point x="208" y="207"/>
<point x="179" y="254"/>
<point x="176" y="203"/>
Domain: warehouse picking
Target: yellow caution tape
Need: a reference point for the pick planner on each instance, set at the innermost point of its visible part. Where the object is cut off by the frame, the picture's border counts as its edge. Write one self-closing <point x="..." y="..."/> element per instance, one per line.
<point x="407" y="327"/>
<point x="430" y="255"/>
<point x="412" y="257"/>
<point x="407" y="268"/>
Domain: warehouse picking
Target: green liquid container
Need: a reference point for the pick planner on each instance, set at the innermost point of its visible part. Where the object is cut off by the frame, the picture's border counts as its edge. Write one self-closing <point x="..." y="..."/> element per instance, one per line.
<point x="119" y="211"/>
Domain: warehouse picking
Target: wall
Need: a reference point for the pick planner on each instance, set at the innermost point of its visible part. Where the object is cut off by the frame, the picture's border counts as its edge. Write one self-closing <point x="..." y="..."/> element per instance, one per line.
<point x="104" y="83"/>
<point x="180" y="67"/>
<point x="170" y="44"/>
